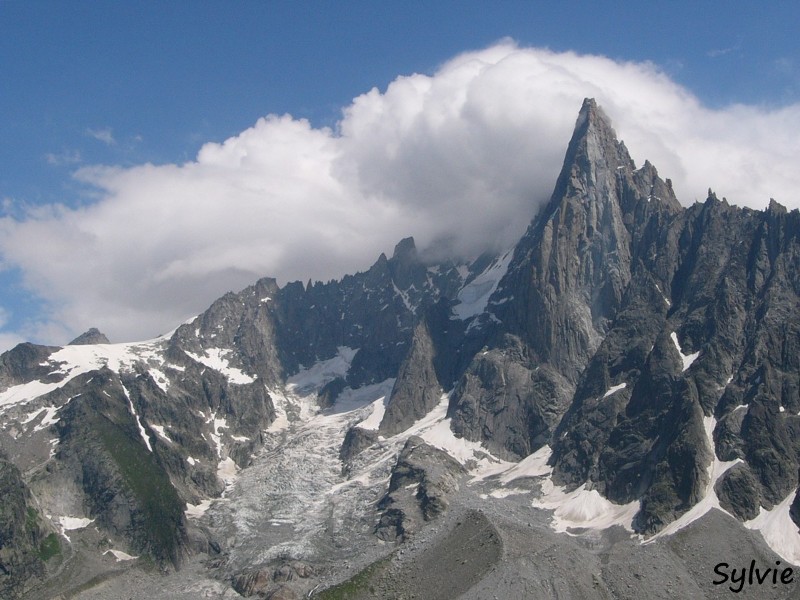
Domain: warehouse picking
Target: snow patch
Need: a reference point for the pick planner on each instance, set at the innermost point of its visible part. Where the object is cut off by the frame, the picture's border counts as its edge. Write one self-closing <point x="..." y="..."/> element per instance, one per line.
<point x="53" y="443"/>
<point x="197" y="510"/>
<point x="217" y="424"/>
<point x="216" y="359"/>
<point x="688" y="359"/>
<point x="142" y="431"/>
<point x="614" y="389"/>
<point x="534" y="465"/>
<point x="71" y="523"/>
<point x="226" y="468"/>
<point x="65" y="524"/>
<point x="778" y="530"/>
<point x="72" y="361"/>
<point x="160" y="379"/>
<point x="505" y="492"/>
<point x="117" y="357"/>
<point x="435" y="429"/>
<point x="404" y="296"/>
<point x="227" y="471"/>
<point x="48" y="419"/>
<point x="659" y="289"/>
<point x="716" y="470"/>
<point x="580" y="508"/>
<point x="376" y="416"/>
<point x="25" y="392"/>
<point x="281" y="422"/>
<point x="120" y="555"/>
<point x="159" y="429"/>
<point x="320" y="373"/>
<point x="584" y="509"/>
<point x="474" y="296"/>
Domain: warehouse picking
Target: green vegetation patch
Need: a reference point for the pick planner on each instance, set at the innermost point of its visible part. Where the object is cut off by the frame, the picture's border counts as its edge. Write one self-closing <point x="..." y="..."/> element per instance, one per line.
<point x="358" y="586"/>
<point x="49" y="547"/>
<point x="159" y="502"/>
<point x="32" y="520"/>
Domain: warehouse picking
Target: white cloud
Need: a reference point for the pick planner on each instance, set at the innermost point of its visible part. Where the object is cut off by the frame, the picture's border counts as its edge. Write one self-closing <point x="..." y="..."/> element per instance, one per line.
<point x="104" y="135"/>
<point x="65" y="157"/>
<point x="461" y="159"/>
<point x="7" y="339"/>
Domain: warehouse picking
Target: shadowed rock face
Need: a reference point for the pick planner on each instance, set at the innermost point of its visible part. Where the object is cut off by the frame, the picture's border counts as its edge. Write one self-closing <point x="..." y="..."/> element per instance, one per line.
<point x="21" y="535"/>
<point x="126" y="485"/>
<point x="416" y="391"/>
<point x="637" y="322"/>
<point x="507" y="402"/>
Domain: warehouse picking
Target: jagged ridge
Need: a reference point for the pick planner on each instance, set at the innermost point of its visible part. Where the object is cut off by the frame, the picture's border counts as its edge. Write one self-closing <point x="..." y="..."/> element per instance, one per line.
<point x="653" y="348"/>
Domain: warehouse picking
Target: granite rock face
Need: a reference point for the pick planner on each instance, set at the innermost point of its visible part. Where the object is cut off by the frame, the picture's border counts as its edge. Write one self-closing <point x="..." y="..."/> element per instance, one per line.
<point x="21" y="535"/>
<point x="669" y="336"/>
<point x="417" y="390"/>
<point x="126" y="485"/>
<point x="422" y="480"/>
<point x="507" y="402"/>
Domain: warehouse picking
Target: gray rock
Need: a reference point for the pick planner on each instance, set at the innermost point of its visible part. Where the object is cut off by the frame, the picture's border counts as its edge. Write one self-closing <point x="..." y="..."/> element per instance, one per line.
<point x="422" y="480"/>
<point x="89" y="337"/>
<point x="127" y="488"/>
<point x="330" y="391"/>
<point x="356" y="440"/>
<point x="416" y="390"/>
<point x="739" y="492"/>
<point x="507" y="403"/>
<point x="22" y="537"/>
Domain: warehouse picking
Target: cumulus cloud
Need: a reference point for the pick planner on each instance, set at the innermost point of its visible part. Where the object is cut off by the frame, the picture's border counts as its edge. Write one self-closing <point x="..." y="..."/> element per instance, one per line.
<point x="461" y="159"/>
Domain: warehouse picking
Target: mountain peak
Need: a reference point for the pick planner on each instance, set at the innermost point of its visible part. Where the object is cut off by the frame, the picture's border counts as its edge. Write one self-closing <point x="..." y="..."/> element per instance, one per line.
<point x="593" y="161"/>
<point x="592" y="114"/>
<point x="90" y="337"/>
<point x="405" y="249"/>
<point x="594" y="140"/>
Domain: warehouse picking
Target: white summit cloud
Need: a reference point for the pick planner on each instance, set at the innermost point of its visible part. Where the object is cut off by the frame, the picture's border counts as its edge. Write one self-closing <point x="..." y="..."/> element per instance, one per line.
<point x="461" y="159"/>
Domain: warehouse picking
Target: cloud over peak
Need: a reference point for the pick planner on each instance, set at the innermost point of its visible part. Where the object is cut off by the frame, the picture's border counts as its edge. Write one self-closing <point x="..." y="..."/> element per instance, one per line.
<point x="460" y="159"/>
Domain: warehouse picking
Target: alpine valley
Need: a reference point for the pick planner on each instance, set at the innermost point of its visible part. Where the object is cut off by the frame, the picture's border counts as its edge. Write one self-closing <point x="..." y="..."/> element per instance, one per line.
<point x="609" y="409"/>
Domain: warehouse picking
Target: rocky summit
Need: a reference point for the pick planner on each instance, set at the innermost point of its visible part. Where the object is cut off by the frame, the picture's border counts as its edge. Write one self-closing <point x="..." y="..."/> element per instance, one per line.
<point x="610" y="406"/>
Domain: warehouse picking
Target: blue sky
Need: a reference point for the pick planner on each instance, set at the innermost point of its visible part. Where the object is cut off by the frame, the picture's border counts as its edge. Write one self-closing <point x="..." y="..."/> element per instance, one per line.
<point x="126" y="84"/>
